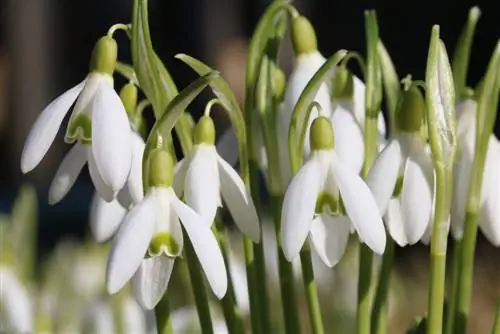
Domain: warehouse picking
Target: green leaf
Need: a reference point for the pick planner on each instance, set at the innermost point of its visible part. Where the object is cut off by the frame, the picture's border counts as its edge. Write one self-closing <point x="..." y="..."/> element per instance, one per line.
<point x="24" y="227"/>
<point x="462" y="52"/>
<point x="390" y="81"/>
<point x="226" y="96"/>
<point x="164" y="125"/>
<point x="301" y="107"/>
<point x="373" y="94"/>
<point x="127" y="71"/>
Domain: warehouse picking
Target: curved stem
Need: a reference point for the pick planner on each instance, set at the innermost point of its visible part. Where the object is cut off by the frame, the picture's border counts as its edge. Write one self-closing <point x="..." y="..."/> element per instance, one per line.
<point x="119" y="26"/>
<point x="311" y="291"/>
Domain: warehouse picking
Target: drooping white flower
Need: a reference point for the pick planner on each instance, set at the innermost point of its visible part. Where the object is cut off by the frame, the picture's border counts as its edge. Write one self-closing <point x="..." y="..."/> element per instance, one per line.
<point x="15" y="303"/>
<point x="98" y="122"/>
<point x="203" y="176"/>
<point x="106" y="217"/>
<point x="153" y="227"/>
<point x="311" y="203"/>
<point x="401" y="177"/>
<point x="489" y="219"/>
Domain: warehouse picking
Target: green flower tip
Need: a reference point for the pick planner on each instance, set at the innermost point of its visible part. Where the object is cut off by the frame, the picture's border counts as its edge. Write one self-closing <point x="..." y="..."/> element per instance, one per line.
<point x="161" y="169"/>
<point x="343" y="84"/>
<point x="321" y="136"/>
<point x="327" y="201"/>
<point x="128" y="95"/>
<point x="205" y="131"/>
<point x="410" y="110"/>
<point x="104" y="55"/>
<point x="163" y="242"/>
<point x="303" y="36"/>
<point x="279" y="84"/>
<point x="79" y="128"/>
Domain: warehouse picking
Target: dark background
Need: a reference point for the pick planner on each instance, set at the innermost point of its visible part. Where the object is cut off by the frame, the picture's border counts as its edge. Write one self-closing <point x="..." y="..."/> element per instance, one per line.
<point x="45" y="49"/>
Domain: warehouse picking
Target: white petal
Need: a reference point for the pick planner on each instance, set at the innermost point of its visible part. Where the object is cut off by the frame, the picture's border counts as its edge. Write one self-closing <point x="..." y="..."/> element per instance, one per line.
<point x="202" y="185"/>
<point x="490" y="212"/>
<point x="366" y="217"/>
<point x="15" y="303"/>
<point x="125" y="198"/>
<point x="349" y="144"/>
<point x="111" y="138"/>
<point x="131" y="244"/>
<point x="416" y="201"/>
<point x="299" y="206"/>
<point x="330" y="235"/>
<point x="239" y="201"/>
<point x="205" y="246"/>
<point x="104" y="191"/>
<point x="227" y="146"/>
<point x="180" y="172"/>
<point x="168" y="220"/>
<point x="99" y="319"/>
<point x="105" y="218"/>
<point x="67" y="173"/>
<point x="45" y="128"/>
<point x="151" y="280"/>
<point x="134" y="317"/>
<point x="134" y="182"/>
<point x="394" y="221"/>
<point x="384" y="173"/>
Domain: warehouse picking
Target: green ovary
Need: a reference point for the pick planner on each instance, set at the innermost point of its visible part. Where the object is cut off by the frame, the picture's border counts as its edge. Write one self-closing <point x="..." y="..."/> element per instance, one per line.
<point x="163" y="242"/>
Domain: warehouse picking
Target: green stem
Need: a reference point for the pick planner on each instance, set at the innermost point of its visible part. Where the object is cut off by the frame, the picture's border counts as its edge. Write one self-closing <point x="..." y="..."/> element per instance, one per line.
<point x="455" y="282"/>
<point x="466" y="273"/>
<point x="311" y="291"/>
<point x="496" y="322"/>
<point x="438" y="249"/>
<point x="248" y="248"/>
<point x="364" y="289"/>
<point x="199" y="291"/>
<point x="380" y="305"/>
<point x="288" y="298"/>
<point x="162" y="313"/>
<point x="230" y="309"/>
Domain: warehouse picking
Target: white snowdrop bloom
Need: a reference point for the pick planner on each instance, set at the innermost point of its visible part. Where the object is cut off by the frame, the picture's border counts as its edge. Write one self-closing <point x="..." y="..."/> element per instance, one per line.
<point x="311" y="203"/>
<point x="402" y="178"/>
<point x="153" y="227"/>
<point x="307" y="62"/>
<point x="203" y="176"/>
<point x="106" y="217"/>
<point x="15" y="303"/>
<point x="98" y="123"/>
<point x="489" y="219"/>
<point x="98" y="318"/>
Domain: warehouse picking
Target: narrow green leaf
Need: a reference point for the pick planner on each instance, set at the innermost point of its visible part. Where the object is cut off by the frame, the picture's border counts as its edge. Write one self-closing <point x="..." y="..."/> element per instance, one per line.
<point x="127" y="71"/>
<point x="174" y="110"/>
<point x="306" y="98"/>
<point x="390" y="81"/>
<point x="373" y="93"/>
<point x="462" y="52"/>
<point x="224" y="93"/>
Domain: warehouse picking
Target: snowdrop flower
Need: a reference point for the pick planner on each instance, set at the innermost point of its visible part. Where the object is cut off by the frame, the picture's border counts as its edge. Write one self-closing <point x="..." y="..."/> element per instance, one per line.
<point x="152" y="227"/>
<point x="401" y="178"/>
<point x="98" y="125"/>
<point x="489" y="220"/>
<point x="308" y="61"/>
<point x="203" y="176"/>
<point x="15" y="303"/>
<point x="312" y="200"/>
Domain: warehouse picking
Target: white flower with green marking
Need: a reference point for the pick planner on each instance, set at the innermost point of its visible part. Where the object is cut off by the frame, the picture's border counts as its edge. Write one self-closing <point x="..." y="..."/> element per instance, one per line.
<point x="402" y="177"/>
<point x="151" y="238"/>
<point x="203" y="176"/>
<point x="98" y="124"/>
<point x="489" y="216"/>
<point x="311" y="206"/>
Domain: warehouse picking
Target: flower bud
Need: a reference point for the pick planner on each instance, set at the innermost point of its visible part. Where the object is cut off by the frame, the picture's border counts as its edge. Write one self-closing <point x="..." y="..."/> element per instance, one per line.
<point x="104" y="55"/>
<point x="321" y="136"/>
<point x="205" y="131"/>
<point x="161" y="169"/>
<point x="410" y="110"/>
<point x="163" y="242"/>
<point x="128" y="95"/>
<point x="303" y="36"/>
<point x="343" y="84"/>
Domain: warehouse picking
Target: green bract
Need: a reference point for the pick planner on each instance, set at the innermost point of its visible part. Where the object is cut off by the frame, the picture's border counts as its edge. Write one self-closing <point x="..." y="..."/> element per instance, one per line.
<point x="103" y="59"/>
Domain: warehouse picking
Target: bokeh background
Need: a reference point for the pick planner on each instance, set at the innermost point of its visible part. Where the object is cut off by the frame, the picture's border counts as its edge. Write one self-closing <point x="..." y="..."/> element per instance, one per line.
<point x="45" y="47"/>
